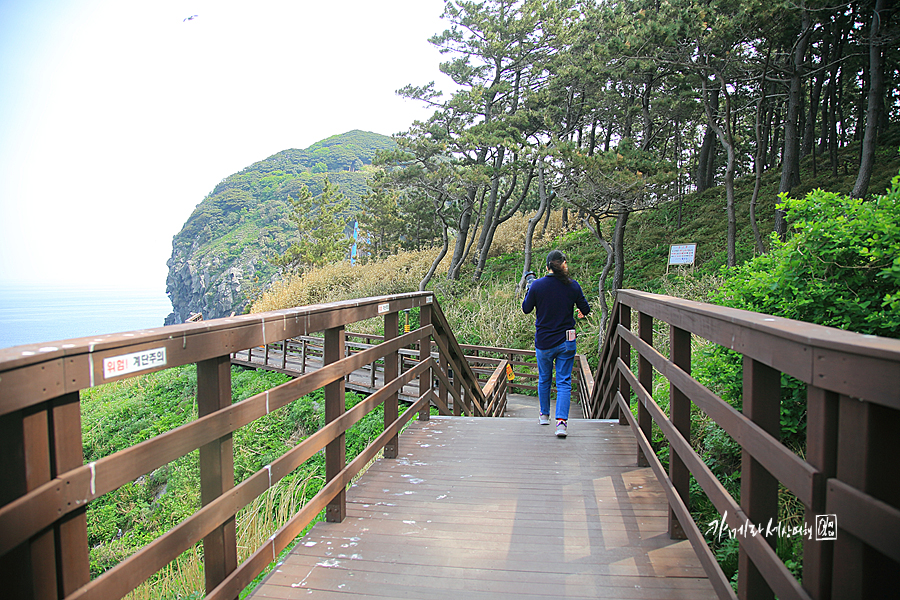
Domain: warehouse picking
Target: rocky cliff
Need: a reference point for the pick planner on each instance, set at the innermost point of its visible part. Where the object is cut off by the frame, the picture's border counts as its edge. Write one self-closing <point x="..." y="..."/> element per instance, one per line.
<point x="220" y="258"/>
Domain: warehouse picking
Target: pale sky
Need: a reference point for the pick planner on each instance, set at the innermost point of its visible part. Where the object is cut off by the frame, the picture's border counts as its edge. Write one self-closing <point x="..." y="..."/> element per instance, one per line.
<point x="117" y="118"/>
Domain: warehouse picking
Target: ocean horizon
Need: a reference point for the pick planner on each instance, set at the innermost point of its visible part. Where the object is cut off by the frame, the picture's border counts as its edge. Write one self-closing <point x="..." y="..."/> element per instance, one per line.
<point x="34" y="314"/>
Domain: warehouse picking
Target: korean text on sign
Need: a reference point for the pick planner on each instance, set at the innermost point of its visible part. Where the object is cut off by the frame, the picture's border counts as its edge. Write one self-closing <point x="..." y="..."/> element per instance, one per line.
<point x="115" y="366"/>
<point x="682" y="254"/>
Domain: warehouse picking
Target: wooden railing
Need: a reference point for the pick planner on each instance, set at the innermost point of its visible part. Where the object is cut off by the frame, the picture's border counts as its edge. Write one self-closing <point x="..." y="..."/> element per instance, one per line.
<point x="46" y="487"/>
<point x="847" y="478"/>
<point x="296" y="354"/>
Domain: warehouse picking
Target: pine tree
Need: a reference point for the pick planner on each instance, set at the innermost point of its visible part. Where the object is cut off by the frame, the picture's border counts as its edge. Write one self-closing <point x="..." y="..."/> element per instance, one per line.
<point x="320" y="230"/>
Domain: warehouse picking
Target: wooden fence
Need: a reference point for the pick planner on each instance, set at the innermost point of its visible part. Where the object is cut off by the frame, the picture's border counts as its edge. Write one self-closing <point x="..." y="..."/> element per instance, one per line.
<point x="46" y="487"/>
<point x="295" y="355"/>
<point x="847" y="479"/>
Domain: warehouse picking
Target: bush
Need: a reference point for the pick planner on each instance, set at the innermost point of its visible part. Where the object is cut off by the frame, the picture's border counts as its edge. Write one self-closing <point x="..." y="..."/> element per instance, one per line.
<point x="840" y="266"/>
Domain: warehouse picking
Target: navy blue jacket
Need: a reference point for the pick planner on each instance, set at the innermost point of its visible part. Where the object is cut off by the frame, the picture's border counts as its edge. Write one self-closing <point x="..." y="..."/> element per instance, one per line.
<point x="555" y="302"/>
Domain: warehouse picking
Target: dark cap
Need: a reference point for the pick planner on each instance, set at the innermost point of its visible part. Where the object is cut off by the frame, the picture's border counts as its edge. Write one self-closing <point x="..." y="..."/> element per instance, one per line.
<point x="555" y="256"/>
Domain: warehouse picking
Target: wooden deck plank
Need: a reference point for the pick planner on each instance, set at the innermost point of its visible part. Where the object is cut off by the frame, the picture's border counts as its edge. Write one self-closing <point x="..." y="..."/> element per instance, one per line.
<point x="498" y="508"/>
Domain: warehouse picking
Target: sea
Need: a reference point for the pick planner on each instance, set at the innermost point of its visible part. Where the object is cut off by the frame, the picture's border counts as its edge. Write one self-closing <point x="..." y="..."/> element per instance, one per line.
<point x="39" y="314"/>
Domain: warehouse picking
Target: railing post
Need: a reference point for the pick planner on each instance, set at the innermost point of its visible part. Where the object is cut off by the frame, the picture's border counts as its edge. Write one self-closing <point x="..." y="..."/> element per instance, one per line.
<point x="442" y="389"/>
<point x="28" y="571"/>
<point x="335" y="405"/>
<point x="680" y="415"/>
<point x="759" y="489"/>
<point x="625" y="355"/>
<point x="216" y="469"/>
<point x="821" y="453"/>
<point x="865" y="461"/>
<point x="391" y="372"/>
<point x="645" y="378"/>
<point x="73" y="559"/>
<point x="426" y="378"/>
<point x="284" y="353"/>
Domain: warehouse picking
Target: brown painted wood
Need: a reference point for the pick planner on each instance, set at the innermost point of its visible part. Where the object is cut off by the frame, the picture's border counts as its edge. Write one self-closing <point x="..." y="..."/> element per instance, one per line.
<point x="759" y="489"/>
<point x="865" y="435"/>
<point x="425" y="381"/>
<point x="72" y="556"/>
<point x="624" y="356"/>
<point x="717" y="577"/>
<point x="391" y="371"/>
<point x="216" y="469"/>
<point x="430" y="524"/>
<point x="680" y="415"/>
<point x="823" y="356"/>
<point x="335" y="403"/>
<point x="821" y="453"/>
<point x="34" y="373"/>
<point x="759" y="550"/>
<point x="33" y="512"/>
<point x="645" y="378"/>
<point x="38" y="471"/>
<point x="16" y="562"/>
<point x="797" y="475"/>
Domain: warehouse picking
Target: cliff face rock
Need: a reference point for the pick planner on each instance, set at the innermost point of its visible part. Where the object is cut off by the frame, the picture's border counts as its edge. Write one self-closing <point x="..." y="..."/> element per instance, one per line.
<point x="220" y="258"/>
<point x="192" y="290"/>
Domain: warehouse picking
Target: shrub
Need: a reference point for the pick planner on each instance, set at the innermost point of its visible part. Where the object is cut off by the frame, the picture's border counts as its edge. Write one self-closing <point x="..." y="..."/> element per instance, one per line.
<point x="840" y="267"/>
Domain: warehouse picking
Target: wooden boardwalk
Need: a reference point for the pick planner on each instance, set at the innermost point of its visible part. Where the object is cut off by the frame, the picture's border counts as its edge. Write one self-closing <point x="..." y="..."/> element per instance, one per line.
<point x="498" y="508"/>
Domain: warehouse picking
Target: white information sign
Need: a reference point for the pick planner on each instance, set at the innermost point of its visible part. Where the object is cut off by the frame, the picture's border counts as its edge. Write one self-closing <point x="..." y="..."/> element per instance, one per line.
<point x="682" y="254"/>
<point x="115" y="366"/>
<point x="383" y="308"/>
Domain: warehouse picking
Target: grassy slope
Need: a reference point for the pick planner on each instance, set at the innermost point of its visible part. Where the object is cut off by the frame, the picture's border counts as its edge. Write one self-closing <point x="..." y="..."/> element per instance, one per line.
<point x="483" y="313"/>
<point x="648" y="237"/>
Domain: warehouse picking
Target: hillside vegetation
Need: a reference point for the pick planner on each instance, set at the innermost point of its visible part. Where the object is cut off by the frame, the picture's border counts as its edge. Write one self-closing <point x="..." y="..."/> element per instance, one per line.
<point x="488" y="312"/>
<point x="221" y="255"/>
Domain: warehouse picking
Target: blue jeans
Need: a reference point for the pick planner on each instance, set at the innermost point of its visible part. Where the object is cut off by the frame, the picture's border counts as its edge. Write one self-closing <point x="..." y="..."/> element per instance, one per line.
<point x="564" y="356"/>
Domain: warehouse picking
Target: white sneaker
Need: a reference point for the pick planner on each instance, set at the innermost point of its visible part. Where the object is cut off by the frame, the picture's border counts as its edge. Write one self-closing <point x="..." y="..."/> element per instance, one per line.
<point x="561" y="429"/>
<point x="545" y="420"/>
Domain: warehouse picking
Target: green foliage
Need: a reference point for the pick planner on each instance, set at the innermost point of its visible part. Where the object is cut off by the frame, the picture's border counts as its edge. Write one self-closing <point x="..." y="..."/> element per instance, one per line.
<point x="840" y="266"/>
<point x="246" y="218"/>
<point x="119" y="415"/>
<point x="380" y="223"/>
<point x="320" y="238"/>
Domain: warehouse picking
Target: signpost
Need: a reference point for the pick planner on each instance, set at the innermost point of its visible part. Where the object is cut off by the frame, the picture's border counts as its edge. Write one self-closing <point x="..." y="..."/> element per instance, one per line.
<point x="681" y="254"/>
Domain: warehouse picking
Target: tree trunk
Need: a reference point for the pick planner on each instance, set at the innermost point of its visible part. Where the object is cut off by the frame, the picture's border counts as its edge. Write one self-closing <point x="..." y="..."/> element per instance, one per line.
<point x="459" y="250"/>
<point x="726" y="138"/>
<point x="704" y="161"/>
<point x="647" y="131"/>
<point x="876" y="104"/>
<point x="809" y="132"/>
<point x="601" y="287"/>
<point x="619" y="249"/>
<point x="532" y="224"/>
<point x="498" y="218"/>
<point x="491" y="209"/>
<point x="775" y="145"/>
<point x="790" y="162"/>
<point x="758" y="159"/>
<point x="439" y="258"/>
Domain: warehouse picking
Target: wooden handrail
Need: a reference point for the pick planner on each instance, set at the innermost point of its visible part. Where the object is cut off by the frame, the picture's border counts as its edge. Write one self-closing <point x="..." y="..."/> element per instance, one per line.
<point x="495" y="390"/>
<point x="853" y="404"/>
<point x="39" y="397"/>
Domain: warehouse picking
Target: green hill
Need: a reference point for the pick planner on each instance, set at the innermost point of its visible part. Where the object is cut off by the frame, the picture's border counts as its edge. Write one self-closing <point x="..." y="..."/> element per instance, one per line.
<point x="220" y="255"/>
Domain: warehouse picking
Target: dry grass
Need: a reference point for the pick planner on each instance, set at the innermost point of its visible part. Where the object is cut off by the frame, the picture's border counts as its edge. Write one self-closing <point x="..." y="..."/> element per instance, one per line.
<point x="491" y="316"/>
<point x="684" y="284"/>
<point x="183" y="578"/>
<point x="510" y="236"/>
<point x="395" y="274"/>
<point x="342" y="281"/>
